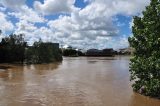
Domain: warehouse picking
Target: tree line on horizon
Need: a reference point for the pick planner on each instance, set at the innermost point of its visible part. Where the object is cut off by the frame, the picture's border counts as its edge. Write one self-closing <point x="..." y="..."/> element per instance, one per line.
<point x="14" y="49"/>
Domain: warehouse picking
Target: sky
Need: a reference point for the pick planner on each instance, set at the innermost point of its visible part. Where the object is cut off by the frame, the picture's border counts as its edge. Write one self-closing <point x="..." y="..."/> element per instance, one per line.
<point x="82" y="24"/>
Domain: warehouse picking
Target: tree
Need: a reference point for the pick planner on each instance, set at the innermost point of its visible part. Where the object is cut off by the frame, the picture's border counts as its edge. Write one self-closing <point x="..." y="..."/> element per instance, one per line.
<point x="145" y="64"/>
<point x="12" y="48"/>
<point x="42" y="53"/>
<point x="70" y="52"/>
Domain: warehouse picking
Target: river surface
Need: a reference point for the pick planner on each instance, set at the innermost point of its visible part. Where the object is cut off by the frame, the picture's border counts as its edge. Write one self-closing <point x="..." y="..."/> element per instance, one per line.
<point x="77" y="81"/>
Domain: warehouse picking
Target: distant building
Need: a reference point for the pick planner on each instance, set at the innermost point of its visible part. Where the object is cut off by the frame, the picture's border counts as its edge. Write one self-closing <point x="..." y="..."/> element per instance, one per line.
<point x="104" y="52"/>
<point x="56" y="45"/>
<point x="69" y="47"/>
<point x="108" y="52"/>
<point x="93" y="52"/>
<point x="126" y="51"/>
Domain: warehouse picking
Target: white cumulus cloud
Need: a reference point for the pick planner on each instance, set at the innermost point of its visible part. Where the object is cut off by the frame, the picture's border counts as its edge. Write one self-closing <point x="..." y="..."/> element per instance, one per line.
<point x="55" y="6"/>
<point x="13" y="4"/>
<point x="5" y="24"/>
<point x="92" y="26"/>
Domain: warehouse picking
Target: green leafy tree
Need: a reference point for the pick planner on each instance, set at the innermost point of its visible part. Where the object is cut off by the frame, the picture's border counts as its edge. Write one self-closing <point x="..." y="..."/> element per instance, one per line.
<point x="42" y="53"/>
<point x="145" y="64"/>
<point x="70" y="52"/>
<point x="12" y="49"/>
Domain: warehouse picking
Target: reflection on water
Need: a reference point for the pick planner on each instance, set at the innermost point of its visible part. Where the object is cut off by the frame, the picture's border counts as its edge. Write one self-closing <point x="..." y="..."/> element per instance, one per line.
<point x="80" y="81"/>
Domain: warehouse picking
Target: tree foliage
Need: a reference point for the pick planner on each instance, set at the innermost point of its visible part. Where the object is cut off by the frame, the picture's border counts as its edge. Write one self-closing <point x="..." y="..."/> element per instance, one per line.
<point x="42" y="53"/>
<point x="145" y="64"/>
<point x="70" y="52"/>
<point x="14" y="49"/>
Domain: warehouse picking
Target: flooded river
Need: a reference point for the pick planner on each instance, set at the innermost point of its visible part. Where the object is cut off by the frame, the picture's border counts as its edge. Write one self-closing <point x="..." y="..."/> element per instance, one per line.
<point x="78" y="81"/>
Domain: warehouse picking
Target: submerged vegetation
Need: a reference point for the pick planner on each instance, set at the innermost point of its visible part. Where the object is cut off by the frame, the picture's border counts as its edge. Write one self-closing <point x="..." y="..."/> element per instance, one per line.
<point x="72" y="52"/>
<point x="14" y="49"/>
<point x="43" y="53"/>
<point x="145" y="65"/>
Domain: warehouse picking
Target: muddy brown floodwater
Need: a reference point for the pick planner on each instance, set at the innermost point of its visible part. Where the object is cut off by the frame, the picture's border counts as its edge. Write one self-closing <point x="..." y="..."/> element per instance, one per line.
<point x="78" y="81"/>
